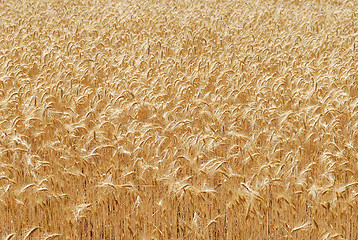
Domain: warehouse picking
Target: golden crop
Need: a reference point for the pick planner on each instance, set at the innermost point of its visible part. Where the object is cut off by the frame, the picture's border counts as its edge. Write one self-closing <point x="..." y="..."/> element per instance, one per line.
<point x="161" y="119"/>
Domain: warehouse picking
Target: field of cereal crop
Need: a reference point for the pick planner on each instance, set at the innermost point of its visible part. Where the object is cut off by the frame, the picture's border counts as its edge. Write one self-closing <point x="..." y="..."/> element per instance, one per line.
<point x="162" y="119"/>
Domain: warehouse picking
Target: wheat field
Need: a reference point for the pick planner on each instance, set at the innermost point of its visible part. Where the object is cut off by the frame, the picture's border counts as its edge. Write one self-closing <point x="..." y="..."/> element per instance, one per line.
<point x="202" y="119"/>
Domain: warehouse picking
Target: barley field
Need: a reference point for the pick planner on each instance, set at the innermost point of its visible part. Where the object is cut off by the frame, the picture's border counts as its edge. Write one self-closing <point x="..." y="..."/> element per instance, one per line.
<point x="160" y="119"/>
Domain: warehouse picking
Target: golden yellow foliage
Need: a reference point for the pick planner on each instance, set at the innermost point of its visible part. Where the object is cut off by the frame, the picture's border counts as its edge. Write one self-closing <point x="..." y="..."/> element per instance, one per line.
<point x="163" y="119"/>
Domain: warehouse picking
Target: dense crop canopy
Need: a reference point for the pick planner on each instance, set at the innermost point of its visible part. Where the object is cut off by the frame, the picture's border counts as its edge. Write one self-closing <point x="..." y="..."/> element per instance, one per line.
<point x="178" y="119"/>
